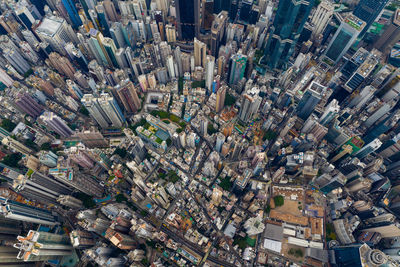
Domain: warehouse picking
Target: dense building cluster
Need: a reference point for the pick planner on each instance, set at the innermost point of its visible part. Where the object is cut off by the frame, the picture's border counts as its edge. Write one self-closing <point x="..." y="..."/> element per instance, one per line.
<point x="200" y="133"/>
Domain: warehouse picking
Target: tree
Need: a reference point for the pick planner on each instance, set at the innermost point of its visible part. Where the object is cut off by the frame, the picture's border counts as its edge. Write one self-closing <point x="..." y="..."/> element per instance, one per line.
<point x="145" y="262"/>
<point x="226" y="183"/>
<point x="146" y="125"/>
<point x="172" y="176"/>
<point x="180" y="84"/>
<point x="144" y="213"/>
<point x="8" y="125"/>
<point x="269" y="135"/>
<point x="230" y="100"/>
<point x="267" y="209"/>
<point x="151" y="243"/>
<point x="159" y="113"/>
<point x="87" y="200"/>
<point x="158" y="140"/>
<point x="201" y="84"/>
<point x="73" y="126"/>
<point x="29" y="143"/>
<point x="28" y="73"/>
<point x="45" y="146"/>
<point x="121" y="152"/>
<point x="140" y="123"/>
<point x="83" y="110"/>
<point x="120" y="198"/>
<point x="298" y="253"/>
<point x="26" y="121"/>
<point x="210" y="129"/>
<point x="12" y="160"/>
<point x="279" y="201"/>
<point x="183" y="111"/>
<point x="257" y="56"/>
<point x="241" y="242"/>
<point x="174" y="118"/>
<point x="330" y="232"/>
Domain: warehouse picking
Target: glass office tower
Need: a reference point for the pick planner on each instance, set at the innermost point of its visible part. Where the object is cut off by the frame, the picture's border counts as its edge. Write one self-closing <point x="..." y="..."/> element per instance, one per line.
<point x="187" y="12"/>
<point x="288" y="24"/>
<point x="344" y="37"/>
<point x="368" y="11"/>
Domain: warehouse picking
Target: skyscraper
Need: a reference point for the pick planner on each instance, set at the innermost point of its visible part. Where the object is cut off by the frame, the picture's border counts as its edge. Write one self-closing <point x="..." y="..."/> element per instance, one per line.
<point x="170" y="32"/>
<point x="391" y="34"/>
<point x="16" y="145"/>
<point x="188" y="18"/>
<point x="69" y="201"/>
<point x="102" y="20"/>
<point x="77" y="180"/>
<point x="219" y="103"/>
<point x="249" y="106"/>
<point x="69" y="6"/>
<point x="117" y="34"/>
<point x="344" y="38"/>
<point x="219" y="142"/>
<point x="363" y="71"/>
<point x="222" y="5"/>
<point x="245" y="10"/>
<point x="5" y="78"/>
<point x="55" y="123"/>
<point x="368" y="149"/>
<point x="9" y="230"/>
<point x="91" y="104"/>
<point x="382" y="127"/>
<point x="328" y="183"/>
<point x="111" y="50"/>
<point x="40" y="187"/>
<point x="310" y="99"/>
<point x="217" y="31"/>
<point x="210" y="62"/>
<point x="368" y="11"/>
<point x="321" y="17"/>
<point x="330" y="112"/>
<point x="92" y="138"/>
<point x="207" y="15"/>
<point x="82" y="239"/>
<point x="95" y="43"/>
<point x="111" y="108"/>
<point x="128" y="95"/>
<point x="16" y="60"/>
<point x="27" y="14"/>
<point x="138" y="149"/>
<point x="62" y="64"/>
<point x="288" y="24"/>
<point x="56" y="32"/>
<point x="28" y="105"/>
<point x="110" y="10"/>
<point x="200" y="52"/>
<point x="171" y="67"/>
<point x="17" y="211"/>
<point x="358" y="255"/>
<point x="237" y="68"/>
<point x="42" y="246"/>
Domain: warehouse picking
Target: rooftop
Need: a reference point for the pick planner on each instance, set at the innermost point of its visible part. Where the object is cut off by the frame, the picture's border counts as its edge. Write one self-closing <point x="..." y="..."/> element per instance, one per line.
<point x="50" y="26"/>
